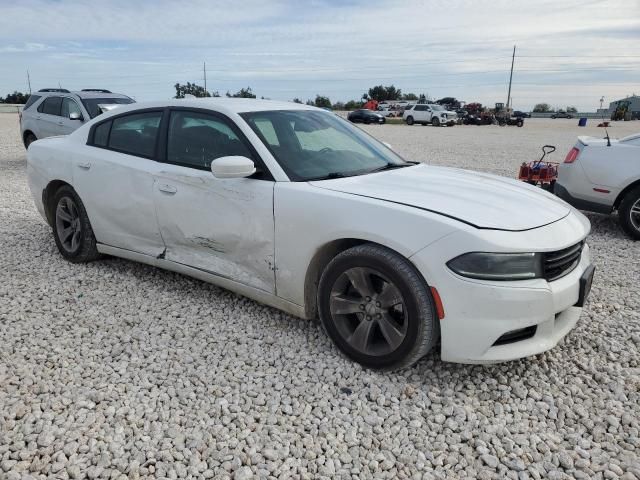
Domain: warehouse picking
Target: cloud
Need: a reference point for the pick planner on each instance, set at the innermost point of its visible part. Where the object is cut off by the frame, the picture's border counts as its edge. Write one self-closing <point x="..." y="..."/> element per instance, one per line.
<point x="285" y="49"/>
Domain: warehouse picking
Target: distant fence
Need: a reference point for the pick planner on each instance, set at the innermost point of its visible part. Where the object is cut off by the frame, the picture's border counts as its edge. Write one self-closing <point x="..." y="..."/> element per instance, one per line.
<point x="10" y="108"/>
<point x="574" y="115"/>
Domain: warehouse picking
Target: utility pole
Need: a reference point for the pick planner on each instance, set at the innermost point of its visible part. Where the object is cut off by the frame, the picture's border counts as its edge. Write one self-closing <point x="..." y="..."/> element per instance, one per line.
<point x="29" y="82"/>
<point x="204" y="69"/>
<point x="513" y="57"/>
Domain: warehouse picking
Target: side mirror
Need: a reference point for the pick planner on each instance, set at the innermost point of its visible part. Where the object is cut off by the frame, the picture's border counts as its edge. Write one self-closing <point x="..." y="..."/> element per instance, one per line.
<point x="232" y="167"/>
<point x="75" y="116"/>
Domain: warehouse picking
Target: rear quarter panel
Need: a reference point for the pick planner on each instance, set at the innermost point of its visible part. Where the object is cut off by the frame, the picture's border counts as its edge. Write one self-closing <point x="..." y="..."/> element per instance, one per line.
<point x="611" y="168"/>
<point x="47" y="160"/>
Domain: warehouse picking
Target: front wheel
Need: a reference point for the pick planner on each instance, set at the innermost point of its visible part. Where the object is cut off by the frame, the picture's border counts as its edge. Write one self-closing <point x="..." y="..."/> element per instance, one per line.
<point x="71" y="227"/>
<point x="409" y="120"/>
<point x="435" y="121"/>
<point x="377" y="308"/>
<point x="629" y="213"/>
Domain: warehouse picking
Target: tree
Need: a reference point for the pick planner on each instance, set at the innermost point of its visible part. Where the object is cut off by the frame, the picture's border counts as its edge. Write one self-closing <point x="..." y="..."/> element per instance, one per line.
<point x="572" y="109"/>
<point x="297" y="100"/>
<point x="382" y="93"/>
<point x="310" y="103"/>
<point x="322" y="102"/>
<point x="15" y="97"/>
<point x="243" y="93"/>
<point x="352" y="105"/>
<point x="411" y="97"/>
<point x="338" y="106"/>
<point x="542" y="108"/>
<point x="192" y="89"/>
<point x="450" y="102"/>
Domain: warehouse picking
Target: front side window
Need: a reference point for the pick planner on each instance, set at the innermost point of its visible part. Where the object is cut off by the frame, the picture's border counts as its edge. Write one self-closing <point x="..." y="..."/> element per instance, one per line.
<point x="69" y="106"/>
<point x="93" y="104"/>
<point x="196" y="139"/>
<point x="313" y="145"/>
<point x="51" y="106"/>
<point x="135" y="134"/>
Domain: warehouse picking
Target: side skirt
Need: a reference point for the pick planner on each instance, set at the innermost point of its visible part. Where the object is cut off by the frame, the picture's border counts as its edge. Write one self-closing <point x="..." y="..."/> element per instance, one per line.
<point x="206" y="276"/>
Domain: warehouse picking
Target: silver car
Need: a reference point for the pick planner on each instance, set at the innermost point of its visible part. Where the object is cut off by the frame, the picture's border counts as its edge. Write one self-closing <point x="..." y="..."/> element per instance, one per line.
<point x="57" y="111"/>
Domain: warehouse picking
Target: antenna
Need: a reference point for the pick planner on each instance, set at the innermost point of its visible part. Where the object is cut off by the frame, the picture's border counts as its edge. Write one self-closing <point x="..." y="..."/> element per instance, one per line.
<point x="29" y="81"/>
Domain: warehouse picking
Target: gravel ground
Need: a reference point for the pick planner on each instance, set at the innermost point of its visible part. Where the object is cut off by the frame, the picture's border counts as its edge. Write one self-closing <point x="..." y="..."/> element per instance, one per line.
<point x="118" y="370"/>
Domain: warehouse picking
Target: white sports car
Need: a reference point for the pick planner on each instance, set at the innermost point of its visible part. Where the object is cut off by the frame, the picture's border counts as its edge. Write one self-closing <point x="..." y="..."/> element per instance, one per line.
<point x="602" y="175"/>
<point x="294" y="207"/>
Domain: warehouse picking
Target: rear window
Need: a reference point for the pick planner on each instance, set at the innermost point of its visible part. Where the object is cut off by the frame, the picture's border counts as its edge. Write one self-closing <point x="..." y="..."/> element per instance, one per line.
<point x="91" y="104"/>
<point x="32" y="99"/>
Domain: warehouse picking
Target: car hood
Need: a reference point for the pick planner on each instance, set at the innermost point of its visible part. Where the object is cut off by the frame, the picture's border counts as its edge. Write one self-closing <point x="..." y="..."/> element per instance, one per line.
<point x="478" y="199"/>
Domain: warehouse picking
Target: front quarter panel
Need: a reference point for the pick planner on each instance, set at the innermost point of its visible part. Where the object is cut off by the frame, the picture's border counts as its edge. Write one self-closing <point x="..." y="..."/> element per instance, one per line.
<point x="308" y="218"/>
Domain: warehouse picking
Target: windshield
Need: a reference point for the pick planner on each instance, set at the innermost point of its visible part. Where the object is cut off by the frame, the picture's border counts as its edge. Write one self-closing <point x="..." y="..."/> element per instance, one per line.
<point x="91" y="104"/>
<point x="312" y="145"/>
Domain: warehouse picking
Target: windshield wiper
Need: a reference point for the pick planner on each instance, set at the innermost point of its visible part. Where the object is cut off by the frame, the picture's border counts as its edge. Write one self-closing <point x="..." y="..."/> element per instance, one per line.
<point x="329" y="176"/>
<point x="391" y="166"/>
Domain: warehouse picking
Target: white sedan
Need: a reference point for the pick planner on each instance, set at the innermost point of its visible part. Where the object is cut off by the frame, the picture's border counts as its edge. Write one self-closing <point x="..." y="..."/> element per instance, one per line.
<point x="296" y="208"/>
<point x="602" y="175"/>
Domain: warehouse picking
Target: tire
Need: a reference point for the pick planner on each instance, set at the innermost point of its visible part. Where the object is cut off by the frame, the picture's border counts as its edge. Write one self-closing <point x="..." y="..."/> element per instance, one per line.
<point x="629" y="213"/>
<point x="520" y="123"/>
<point x="29" y="139"/>
<point x="367" y="121"/>
<point x="391" y="336"/>
<point x="68" y="212"/>
<point x="409" y="120"/>
<point x="435" y="121"/>
<point x="553" y="117"/>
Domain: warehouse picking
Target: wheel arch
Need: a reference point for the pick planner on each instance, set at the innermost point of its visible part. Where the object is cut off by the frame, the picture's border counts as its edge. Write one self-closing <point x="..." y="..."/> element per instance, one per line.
<point x="24" y="135"/>
<point x="321" y="259"/>
<point x="625" y="190"/>
<point x="47" y="196"/>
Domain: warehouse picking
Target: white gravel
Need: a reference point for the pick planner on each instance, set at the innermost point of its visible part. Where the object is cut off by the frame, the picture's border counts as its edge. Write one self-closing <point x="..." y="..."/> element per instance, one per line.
<point x="117" y="370"/>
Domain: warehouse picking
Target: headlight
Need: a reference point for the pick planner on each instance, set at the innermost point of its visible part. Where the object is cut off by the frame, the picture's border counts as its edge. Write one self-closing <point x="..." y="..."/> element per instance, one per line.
<point x="498" y="266"/>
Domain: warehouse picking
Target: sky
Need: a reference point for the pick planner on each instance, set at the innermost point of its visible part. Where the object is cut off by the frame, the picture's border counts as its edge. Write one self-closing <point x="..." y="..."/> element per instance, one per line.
<point x="568" y="53"/>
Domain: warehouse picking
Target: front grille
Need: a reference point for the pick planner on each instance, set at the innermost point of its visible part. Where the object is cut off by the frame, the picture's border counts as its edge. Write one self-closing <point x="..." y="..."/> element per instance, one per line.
<point x="559" y="263"/>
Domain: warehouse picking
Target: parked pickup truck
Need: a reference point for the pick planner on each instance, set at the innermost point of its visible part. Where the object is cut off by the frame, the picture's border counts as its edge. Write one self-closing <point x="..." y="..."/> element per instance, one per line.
<point x="436" y="115"/>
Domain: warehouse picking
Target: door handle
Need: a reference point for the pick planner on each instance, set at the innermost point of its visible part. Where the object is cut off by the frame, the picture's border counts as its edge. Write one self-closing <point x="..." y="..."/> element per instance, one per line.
<point x="85" y="166"/>
<point x="170" y="189"/>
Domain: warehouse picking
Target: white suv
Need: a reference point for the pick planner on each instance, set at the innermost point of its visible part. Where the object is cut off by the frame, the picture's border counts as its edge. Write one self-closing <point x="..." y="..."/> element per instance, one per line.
<point x="57" y="111"/>
<point x="436" y="115"/>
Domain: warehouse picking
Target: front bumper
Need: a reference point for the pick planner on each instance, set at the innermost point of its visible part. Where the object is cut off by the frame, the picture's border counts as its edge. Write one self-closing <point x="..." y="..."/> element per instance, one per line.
<point x="478" y="313"/>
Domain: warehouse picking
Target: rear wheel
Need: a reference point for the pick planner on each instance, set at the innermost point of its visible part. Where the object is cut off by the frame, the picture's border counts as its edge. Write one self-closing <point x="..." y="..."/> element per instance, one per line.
<point x="435" y="121"/>
<point x="629" y="213"/>
<point x="409" y="120"/>
<point x="71" y="227"/>
<point x="29" y="139"/>
<point x="377" y="308"/>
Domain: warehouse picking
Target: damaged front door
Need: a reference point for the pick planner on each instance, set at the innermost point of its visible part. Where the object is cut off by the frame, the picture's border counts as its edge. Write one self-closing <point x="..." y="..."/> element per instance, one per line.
<point x="222" y="226"/>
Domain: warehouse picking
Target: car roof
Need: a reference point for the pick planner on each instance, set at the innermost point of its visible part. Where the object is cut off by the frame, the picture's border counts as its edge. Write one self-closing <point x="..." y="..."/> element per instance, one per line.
<point x="82" y="94"/>
<point x="222" y="104"/>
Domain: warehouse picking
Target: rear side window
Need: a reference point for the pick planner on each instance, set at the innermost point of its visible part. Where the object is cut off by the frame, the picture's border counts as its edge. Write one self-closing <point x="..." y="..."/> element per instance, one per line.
<point x="135" y="134"/>
<point x="101" y="134"/>
<point x="51" y="106"/>
<point x="32" y="99"/>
